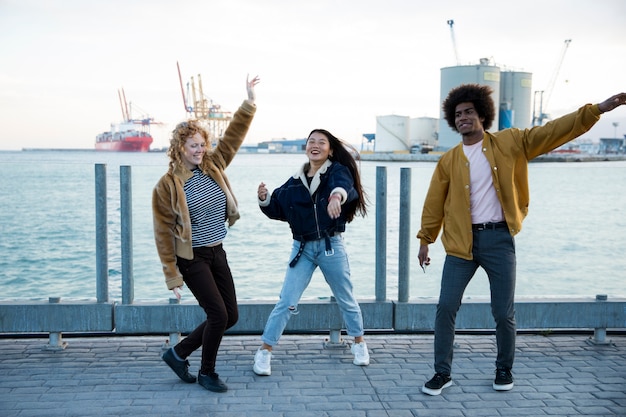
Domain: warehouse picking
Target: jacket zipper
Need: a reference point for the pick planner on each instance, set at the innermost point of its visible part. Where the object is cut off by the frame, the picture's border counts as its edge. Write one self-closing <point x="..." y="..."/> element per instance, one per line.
<point x="317" y="223"/>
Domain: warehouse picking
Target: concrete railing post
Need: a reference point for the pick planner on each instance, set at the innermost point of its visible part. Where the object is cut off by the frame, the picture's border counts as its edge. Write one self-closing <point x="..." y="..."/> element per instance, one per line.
<point x="55" y="339"/>
<point x="334" y="340"/>
<point x="599" y="333"/>
<point x="174" y="337"/>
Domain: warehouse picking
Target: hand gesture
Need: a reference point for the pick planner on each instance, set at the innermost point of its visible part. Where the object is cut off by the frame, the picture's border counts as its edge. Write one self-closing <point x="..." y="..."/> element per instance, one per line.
<point x="250" y="84"/>
<point x="423" y="258"/>
<point x="334" y="206"/>
<point x="613" y="102"/>
<point x="262" y="192"/>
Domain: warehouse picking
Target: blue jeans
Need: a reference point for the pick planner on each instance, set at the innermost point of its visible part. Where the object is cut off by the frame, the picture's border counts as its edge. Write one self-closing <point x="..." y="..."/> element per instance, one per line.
<point x="336" y="272"/>
<point x="494" y="251"/>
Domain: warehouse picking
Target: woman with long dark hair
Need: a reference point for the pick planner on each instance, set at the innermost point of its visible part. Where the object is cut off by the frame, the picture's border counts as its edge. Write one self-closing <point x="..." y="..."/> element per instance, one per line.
<point x="317" y="202"/>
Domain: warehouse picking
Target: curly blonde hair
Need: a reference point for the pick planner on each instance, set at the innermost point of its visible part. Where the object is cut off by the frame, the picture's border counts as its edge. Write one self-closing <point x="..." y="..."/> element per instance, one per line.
<point x="180" y="134"/>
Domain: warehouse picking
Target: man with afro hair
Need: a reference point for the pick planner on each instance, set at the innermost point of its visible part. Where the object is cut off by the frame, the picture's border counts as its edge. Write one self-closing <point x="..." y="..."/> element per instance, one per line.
<point x="479" y="195"/>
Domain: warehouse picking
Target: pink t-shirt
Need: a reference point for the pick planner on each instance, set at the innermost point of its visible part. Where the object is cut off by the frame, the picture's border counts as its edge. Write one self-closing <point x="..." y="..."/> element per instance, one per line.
<point x="484" y="203"/>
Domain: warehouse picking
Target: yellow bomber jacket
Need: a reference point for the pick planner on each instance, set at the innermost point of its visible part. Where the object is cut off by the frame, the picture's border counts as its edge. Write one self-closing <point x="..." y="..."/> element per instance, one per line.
<point x="508" y="151"/>
<point x="171" y="221"/>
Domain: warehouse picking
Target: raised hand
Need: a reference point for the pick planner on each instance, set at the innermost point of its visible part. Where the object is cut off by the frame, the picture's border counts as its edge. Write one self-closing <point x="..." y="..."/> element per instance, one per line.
<point x="250" y="84"/>
<point x="613" y="102"/>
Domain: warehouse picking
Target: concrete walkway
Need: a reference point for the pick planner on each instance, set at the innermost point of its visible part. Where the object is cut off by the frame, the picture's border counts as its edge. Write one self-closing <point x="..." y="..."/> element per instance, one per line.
<point x="559" y="375"/>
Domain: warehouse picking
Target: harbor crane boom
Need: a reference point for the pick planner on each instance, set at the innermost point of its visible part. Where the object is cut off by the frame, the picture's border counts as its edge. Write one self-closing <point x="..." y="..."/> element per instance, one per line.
<point x="123" y="105"/>
<point x="198" y="106"/>
<point x="539" y="115"/>
<point x="456" y="52"/>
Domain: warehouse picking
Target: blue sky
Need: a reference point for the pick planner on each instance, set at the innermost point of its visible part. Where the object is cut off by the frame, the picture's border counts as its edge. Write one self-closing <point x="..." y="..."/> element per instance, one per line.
<point x="330" y="64"/>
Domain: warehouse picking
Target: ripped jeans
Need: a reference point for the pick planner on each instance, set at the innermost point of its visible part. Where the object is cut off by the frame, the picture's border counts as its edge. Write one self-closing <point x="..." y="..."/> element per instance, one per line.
<point x="336" y="271"/>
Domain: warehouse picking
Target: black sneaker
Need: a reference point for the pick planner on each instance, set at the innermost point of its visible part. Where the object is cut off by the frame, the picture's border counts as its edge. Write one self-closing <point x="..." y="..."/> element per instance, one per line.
<point x="503" y="381"/>
<point x="212" y="382"/>
<point x="181" y="368"/>
<point x="436" y="384"/>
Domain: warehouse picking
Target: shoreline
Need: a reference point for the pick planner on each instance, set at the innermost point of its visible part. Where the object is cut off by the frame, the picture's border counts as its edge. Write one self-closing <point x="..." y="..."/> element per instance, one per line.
<point x="395" y="157"/>
<point x="403" y="157"/>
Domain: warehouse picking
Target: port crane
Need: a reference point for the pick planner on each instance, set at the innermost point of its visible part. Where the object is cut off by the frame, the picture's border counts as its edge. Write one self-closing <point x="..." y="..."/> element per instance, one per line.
<point x="198" y="106"/>
<point x="456" y="52"/>
<point x="542" y="97"/>
<point x="145" y="121"/>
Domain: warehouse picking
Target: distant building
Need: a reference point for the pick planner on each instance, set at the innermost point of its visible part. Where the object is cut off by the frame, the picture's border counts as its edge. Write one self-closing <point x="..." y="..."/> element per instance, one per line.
<point x="282" y="146"/>
<point x="511" y="96"/>
<point x="404" y="134"/>
<point x="612" y="145"/>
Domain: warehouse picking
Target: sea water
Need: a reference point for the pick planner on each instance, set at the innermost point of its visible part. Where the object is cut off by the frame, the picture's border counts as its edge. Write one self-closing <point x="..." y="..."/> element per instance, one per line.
<point x="571" y="245"/>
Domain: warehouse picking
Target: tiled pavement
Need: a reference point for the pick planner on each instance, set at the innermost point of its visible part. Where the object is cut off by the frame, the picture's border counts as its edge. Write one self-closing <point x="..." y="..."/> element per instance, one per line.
<point x="556" y="375"/>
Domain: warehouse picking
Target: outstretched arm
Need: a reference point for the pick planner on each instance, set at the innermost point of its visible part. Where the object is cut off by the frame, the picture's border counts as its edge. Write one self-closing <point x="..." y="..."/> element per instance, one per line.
<point x="612" y="102"/>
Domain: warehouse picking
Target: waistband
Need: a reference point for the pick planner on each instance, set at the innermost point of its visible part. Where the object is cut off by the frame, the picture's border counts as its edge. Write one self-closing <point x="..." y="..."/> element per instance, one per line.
<point x="329" y="250"/>
<point x="209" y="246"/>
<point x="489" y="226"/>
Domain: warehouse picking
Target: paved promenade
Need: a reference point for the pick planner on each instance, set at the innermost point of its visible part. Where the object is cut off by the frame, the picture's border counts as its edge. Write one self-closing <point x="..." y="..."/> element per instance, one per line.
<point x="558" y="375"/>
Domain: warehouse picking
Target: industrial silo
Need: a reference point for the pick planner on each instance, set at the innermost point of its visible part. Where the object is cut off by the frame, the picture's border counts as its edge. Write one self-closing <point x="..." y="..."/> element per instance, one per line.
<point x="423" y="131"/>
<point x="515" y="99"/>
<point x="392" y="133"/>
<point x="451" y="77"/>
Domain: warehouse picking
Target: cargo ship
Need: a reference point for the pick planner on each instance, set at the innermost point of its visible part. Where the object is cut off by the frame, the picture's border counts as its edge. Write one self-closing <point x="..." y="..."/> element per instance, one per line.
<point x="131" y="135"/>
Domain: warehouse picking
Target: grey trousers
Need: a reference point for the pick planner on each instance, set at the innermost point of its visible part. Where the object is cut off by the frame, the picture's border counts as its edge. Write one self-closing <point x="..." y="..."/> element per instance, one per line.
<point x="494" y="251"/>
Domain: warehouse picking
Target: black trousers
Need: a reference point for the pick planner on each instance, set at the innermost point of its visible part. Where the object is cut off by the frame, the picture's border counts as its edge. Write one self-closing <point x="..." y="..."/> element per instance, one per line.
<point x="209" y="278"/>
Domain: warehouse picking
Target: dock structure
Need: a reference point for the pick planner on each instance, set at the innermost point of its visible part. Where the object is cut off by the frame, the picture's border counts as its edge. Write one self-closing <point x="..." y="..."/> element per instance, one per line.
<point x="87" y="358"/>
<point x="555" y="375"/>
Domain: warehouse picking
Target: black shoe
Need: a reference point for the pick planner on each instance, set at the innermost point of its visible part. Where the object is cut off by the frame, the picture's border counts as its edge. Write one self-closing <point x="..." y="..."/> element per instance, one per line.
<point x="503" y="381"/>
<point x="436" y="384"/>
<point x="181" y="368"/>
<point x="212" y="382"/>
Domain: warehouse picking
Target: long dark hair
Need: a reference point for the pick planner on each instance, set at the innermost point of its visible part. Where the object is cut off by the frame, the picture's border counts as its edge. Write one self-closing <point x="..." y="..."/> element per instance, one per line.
<point x="347" y="155"/>
<point x="478" y="95"/>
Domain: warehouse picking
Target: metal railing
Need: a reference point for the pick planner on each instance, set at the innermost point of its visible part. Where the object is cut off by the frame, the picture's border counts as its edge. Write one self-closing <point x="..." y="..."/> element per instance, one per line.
<point x="173" y="318"/>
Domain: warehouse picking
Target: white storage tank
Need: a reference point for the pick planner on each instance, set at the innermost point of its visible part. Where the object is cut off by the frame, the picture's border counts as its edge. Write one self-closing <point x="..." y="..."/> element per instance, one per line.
<point x="451" y="77"/>
<point x="392" y="133"/>
<point x="515" y="99"/>
<point x="423" y="131"/>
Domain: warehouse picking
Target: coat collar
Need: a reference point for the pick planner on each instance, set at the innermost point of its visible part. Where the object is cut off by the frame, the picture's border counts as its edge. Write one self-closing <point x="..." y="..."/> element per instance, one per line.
<point x="315" y="183"/>
<point x="182" y="172"/>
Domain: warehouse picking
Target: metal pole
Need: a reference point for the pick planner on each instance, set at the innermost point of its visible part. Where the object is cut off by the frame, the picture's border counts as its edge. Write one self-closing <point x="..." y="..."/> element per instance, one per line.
<point x="55" y="339"/>
<point x="381" y="233"/>
<point x="404" y="232"/>
<point x="174" y="335"/>
<point x="102" y="254"/>
<point x="334" y="340"/>
<point x="126" y="223"/>
<point x="599" y="333"/>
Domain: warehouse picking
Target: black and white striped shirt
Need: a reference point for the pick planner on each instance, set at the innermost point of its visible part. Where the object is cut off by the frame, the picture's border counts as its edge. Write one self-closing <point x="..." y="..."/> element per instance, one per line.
<point x="207" y="209"/>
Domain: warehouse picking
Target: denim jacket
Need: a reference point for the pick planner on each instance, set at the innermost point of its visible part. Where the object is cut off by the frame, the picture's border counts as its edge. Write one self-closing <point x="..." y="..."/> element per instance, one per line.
<point x="304" y="207"/>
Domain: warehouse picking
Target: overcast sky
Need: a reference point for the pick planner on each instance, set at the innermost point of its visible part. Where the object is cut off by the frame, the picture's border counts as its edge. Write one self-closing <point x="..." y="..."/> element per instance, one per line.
<point x="329" y="64"/>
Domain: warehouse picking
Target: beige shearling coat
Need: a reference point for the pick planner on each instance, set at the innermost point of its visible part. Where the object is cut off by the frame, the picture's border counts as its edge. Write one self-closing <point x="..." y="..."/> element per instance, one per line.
<point x="171" y="221"/>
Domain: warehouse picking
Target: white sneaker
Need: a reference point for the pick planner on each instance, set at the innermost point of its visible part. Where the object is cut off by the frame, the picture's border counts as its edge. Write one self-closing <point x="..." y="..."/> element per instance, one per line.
<point x="361" y="355"/>
<point x="262" y="365"/>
